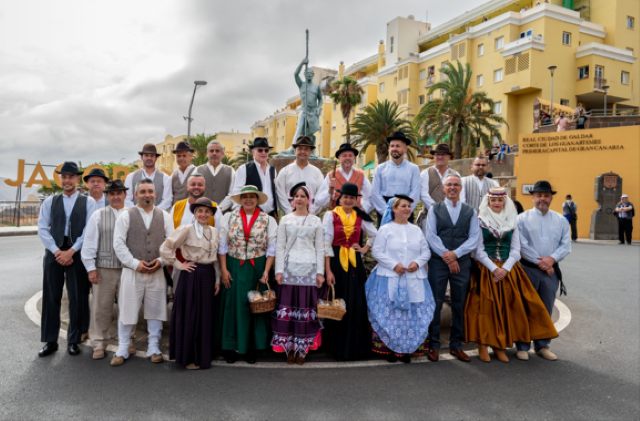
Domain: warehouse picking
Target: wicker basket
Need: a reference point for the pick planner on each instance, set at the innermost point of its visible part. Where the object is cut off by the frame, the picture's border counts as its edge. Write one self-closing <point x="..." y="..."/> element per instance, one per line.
<point x="262" y="306"/>
<point x="331" y="311"/>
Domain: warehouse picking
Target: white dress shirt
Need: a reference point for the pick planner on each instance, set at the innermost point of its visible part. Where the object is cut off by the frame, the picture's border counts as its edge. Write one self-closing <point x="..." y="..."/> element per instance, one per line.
<point x="241" y="181"/>
<point x="543" y="235"/>
<point x="92" y="239"/>
<point x="329" y="232"/>
<point x="120" y="236"/>
<point x="291" y="175"/>
<point x="481" y="255"/>
<point x="167" y="189"/>
<point x="425" y="197"/>
<point x="322" y="198"/>
<point x="44" y="221"/>
<point x="183" y="175"/>
<point x="391" y="179"/>
<point x="101" y="203"/>
<point x="454" y="212"/>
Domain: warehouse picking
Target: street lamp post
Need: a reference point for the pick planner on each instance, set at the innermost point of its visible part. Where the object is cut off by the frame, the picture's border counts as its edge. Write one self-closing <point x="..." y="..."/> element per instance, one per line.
<point x="552" y="69"/>
<point x="189" y="119"/>
<point x="605" y="88"/>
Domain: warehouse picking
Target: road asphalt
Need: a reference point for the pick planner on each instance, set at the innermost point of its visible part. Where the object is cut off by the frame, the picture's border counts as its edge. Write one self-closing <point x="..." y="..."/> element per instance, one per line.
<point x="597" y="375"/>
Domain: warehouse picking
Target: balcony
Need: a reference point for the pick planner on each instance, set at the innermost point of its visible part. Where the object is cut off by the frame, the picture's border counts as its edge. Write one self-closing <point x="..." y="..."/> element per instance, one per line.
<point x="598" y="84"/>
<point x="430" y="80"/>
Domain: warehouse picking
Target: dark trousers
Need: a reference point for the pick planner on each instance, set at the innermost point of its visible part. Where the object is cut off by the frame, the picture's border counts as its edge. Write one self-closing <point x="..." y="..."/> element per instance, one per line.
<point x="547" y="286"/>
<point x="573" y="223"/>
<point x="77" y="282"/>
<point x="625" y="227"/>
<point x="439" y="275"/>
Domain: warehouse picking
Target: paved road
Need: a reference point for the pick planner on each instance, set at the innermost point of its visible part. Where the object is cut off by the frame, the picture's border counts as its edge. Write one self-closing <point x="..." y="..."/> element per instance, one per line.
<point x="598" y="376"/>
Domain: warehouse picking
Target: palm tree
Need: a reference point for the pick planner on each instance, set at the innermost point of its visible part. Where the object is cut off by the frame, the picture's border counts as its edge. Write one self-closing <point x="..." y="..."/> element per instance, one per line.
<point x="246" y="155"/>
<point x="226" y="160"/>
<point x="462" y="115"/>
<point x="377" y="122"/>
<point x="199" y="143"/>
<point x="347" y="93"/>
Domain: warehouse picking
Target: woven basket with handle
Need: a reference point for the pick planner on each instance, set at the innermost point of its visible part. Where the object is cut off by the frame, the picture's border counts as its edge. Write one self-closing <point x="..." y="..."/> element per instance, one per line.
<point x="263" y="306"/>
<point x="334" y="310"/>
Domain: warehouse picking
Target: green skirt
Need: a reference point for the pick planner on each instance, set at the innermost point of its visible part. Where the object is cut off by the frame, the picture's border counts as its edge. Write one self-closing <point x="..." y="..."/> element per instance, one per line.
<point x="238" y="329"/>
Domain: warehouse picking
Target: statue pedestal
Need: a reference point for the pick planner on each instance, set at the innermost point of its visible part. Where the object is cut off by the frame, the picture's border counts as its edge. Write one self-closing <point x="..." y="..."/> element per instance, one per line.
<point x="607" y="192"/>
<point x="324" y="165"/>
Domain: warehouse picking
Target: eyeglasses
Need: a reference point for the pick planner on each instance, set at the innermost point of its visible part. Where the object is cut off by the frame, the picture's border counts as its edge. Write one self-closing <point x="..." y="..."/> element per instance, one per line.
<point x="452" y="185"/>
<point x="440" y="154"/>
<point x="480" y="165"/>
<point x="260" y="150"/>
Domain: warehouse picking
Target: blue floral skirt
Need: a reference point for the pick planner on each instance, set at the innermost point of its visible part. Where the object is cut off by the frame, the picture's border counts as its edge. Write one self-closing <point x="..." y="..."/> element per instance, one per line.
<point x="402" y="331"/>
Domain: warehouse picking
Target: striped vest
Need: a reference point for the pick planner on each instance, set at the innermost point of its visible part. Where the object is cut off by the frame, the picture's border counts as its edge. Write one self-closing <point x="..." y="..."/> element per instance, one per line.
<point x="180" y="189"/>
<point x="435" y="184"/>
<point x="158" y="184"/>
<point x="106" y="257"/>
<point x="473" y="196"/>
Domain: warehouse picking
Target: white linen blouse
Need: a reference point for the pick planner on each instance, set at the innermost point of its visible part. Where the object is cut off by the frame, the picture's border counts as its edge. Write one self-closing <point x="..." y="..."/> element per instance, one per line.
<point x="300" y="240"/>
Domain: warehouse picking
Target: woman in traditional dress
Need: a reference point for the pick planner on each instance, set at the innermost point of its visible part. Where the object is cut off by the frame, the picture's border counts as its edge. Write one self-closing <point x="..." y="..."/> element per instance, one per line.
<point x="247" y="251"/>
<point x="191" y="338"/>
<point x="503" y="307"/>
<point x="349" y="338"/>
<point x="399" y="297"/>
<point x="300" y="275"/>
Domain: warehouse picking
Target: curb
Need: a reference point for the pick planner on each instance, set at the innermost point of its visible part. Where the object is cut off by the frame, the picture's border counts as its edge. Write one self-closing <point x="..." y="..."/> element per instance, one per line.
<point x="32" y="312"/>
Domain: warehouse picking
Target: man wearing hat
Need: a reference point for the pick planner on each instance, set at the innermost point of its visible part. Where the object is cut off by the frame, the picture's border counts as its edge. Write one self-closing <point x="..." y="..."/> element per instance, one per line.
<point x="161" y="181"/>
<point x="260" y="174"/>
<point x="97" y="180"/>
<point x="625" y="213"/>
<point x="103" y="266"/>
<point x="61" y="228"/>
<point x="219" y="178"/>
<point x="396" y="176"/>
<point x="544" y="241"/>
<point x="334" y="180"/>
<point x="297" y="171"/>
<point x="431" y="179"/>
<point x="184" y="154"/>
<point x="137" y="237"/>
<point x="452" y="233"/>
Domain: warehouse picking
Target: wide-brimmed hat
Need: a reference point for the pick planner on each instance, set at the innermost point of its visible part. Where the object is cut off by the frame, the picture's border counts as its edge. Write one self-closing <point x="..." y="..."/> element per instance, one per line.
<point x="149" y="148"/>
<point x="182" y="147"/>
<point x="441" y="148"/>
<point x="69" y="168"/>
<point x="303" y="141"/>
<point x="203" y="201"/>
<point x="262" y="198"/>
<point x="349" y="189"/>
<point x="403" y="196"/>
<point x="399" y="136"/>
<point x="346" y="147"/>
<point x="96" y="172"/>
<point x="542" y="186"/>
<point x="260" y="142"/>
<point x="115" y="185"/>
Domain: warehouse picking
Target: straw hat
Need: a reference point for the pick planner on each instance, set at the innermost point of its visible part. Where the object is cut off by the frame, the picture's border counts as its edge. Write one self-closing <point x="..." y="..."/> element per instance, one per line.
<point x="262" y="198"/>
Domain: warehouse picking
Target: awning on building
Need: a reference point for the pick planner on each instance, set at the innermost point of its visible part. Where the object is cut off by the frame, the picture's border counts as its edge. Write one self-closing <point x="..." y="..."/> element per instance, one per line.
<point x="370" y="165"/>
<point x="432" y="140"/>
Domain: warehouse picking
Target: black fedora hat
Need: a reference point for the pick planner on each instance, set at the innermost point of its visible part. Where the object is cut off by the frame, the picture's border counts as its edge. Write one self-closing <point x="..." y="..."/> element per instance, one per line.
<point x="69" y="168"/>
<point x="403" y="196"/>
<point x="349" y="189"/>
<point x="183" y="147"/>
<point x="96" y="172"/>
<point x="345" y="147"/>
<point x="399" y="136"/>
<point x="260" y="142"/>
<point x="441" y="148"/>
<point x="149" y="148"/>
<point x="115" y="185"/>
<point x="542" y="186"/>
<point x="203" y="201"/>
<point x="303" y="141"/>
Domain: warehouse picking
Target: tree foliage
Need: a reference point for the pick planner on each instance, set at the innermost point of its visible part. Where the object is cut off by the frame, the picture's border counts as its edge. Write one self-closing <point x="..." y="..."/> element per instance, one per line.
<point x="346" y="93"/>
<point x="199" y="144"/>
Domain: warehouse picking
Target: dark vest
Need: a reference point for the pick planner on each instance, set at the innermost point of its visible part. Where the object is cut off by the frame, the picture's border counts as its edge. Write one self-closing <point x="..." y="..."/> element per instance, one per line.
<point x="144" y="244"/>
<point x="452" y="236"/>
<point x="497" y="248"/>
<point x="216" y="188"/>
<point x="180" y="189"/>
<point x="253" y="179"/>
<point x="77" y="219"/>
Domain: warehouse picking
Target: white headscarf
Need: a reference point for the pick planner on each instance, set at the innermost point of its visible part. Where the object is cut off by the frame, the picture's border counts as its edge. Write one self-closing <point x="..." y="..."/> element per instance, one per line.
<point x="498" y="223"/>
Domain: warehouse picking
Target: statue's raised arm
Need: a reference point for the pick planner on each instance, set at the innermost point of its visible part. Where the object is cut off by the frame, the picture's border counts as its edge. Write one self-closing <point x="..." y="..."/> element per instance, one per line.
<point x="305" y="61"/>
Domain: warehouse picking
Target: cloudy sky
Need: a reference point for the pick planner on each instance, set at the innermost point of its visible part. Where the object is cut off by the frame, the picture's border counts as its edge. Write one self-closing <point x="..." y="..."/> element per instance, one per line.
<point x="94" y="80"/>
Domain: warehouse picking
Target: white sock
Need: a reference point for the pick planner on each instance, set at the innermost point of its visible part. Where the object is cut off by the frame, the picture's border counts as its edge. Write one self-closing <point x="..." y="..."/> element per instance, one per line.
<point x="154" y="327"/>
<point x="124" y="335"/>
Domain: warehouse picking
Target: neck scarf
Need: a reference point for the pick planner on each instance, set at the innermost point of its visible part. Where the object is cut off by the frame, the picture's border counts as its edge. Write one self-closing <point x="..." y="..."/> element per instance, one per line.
<point x="246" y="226"/>
<point x="498" y="223"/>
<point x="349" y="225"/>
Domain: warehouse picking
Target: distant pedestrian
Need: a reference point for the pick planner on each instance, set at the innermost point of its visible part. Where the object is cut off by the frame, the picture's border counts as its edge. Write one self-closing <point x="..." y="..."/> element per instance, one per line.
<point x="504" y="150"/>
<point x="570" y="211"/>
<point x="625" y="213"/>
<point x="582" y="121"/>
<point x="563" y="122"/>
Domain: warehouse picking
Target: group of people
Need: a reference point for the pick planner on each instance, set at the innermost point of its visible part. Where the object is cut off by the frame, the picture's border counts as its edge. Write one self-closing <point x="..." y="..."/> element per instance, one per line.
<point x="215" y="234"/>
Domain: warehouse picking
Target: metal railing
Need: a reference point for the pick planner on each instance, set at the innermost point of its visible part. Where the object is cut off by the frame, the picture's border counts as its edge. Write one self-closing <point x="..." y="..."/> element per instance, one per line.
<point x="19" y="214"/>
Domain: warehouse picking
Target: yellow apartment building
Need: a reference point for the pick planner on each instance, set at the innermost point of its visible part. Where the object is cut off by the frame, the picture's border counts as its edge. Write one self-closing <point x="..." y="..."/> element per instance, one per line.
<point x="234" y="142"/>
<point x="167" y="161"/>
<point x="509" y="45"/>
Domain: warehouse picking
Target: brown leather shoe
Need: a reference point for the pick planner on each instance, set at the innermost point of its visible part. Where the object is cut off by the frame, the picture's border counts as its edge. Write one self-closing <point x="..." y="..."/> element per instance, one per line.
<point x="291" y="358"/>
<point x="502" y="357"/>
<point x="483" y="353"/>
<point x="98" y="354"/>
<point x="300" y="360"/>
<point x="433" y="355"/>
<point x="460" y="355"/>
<point x="115" y="361"/>
<point x="156" y="358"/>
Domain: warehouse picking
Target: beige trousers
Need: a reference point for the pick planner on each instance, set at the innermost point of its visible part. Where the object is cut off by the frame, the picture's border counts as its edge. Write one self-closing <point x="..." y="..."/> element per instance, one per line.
<point x="104" y="295"/>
